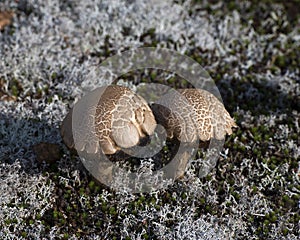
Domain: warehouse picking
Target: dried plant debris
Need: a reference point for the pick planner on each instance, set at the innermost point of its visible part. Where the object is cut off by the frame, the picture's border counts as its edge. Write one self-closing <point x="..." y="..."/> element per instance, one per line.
<point x="10" y="89"/>
<point x="5" y="18"/>
<point x="250" y="49"/>
<point x="47" y="152"/>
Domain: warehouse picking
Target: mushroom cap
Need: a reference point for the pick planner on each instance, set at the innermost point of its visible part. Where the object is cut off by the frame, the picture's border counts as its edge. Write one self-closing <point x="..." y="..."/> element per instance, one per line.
<point x="112" y="117"/>
<point x="191" y="114"/>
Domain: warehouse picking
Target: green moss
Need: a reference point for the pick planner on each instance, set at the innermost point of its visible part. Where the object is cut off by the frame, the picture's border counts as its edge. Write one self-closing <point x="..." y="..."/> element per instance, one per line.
<point x="236" y="195"/>
<point x="208" y="208"/>
<point x="172" y="80"/>
<point x="285" y="231"/>
<point x="266" y="222"/>
<point x="98" y="223"/>
<point x="145" y="236"/>
<point x="69" y="208"/>
<point x="153" y="75"/>
<point x="141" y="200"/>
<point x="67" y="196"/>
<point x="14" y="91"/>
<point x="272" y="217"/>
<point x="82" y="191"/>
<point x="55" y="214"/>
<point x="280" y="61"/>
<point x="104" y="207"/>
<point x="84" y="215"/>
<point x="66" y="236"/>
<point x="91" y="185"/>
<point x="24" y="234"/>
<point x="202" y="201"/>
<point x="112" y="211"/>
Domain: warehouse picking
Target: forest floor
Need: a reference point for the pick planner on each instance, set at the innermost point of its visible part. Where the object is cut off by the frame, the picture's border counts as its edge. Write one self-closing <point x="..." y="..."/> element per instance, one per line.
<point x="49" y="52"/>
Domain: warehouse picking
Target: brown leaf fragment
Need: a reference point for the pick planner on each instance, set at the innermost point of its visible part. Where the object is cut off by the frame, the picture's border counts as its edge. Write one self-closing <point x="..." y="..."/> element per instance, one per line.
<point x="4" y="95"/>
<point x="5" y="18"/>
<point x="47" y="152"/>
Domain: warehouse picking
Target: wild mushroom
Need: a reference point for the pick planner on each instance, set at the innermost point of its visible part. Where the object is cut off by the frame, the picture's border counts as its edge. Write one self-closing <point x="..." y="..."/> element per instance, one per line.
<point x="118" y="119"/>
<point x="106" y="120"/>
<point x="113" y="116"/>
<point x="189" y="115"/>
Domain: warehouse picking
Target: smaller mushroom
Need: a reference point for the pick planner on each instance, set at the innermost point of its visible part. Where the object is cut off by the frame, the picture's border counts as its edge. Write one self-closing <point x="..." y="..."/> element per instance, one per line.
<point x="189" y="115"/>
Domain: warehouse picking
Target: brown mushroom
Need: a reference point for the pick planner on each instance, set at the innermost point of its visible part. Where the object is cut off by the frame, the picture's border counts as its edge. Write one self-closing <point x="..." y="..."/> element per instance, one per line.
<point x="111" y="118"/>
<point x="189" y="115"/>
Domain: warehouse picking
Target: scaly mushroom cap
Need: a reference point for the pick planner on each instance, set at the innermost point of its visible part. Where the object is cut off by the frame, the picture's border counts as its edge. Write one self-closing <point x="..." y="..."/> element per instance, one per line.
<point x="189" y="114"/>
<point x="118" y="119"/>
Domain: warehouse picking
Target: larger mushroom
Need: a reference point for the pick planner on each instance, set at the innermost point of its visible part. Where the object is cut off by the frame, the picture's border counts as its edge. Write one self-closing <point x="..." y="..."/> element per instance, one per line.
<point x="110" y="118"/>
<point x="103" y="122"/>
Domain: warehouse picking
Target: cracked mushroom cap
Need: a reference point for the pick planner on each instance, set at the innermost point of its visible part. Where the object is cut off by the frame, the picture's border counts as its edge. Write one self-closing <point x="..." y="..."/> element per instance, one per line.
<point x="111" y="118"/>
<point x="191" y="114"/>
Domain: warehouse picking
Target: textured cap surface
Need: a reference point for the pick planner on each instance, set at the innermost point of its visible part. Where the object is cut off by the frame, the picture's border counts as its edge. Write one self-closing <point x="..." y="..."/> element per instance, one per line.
<point x="189" y="114"/>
